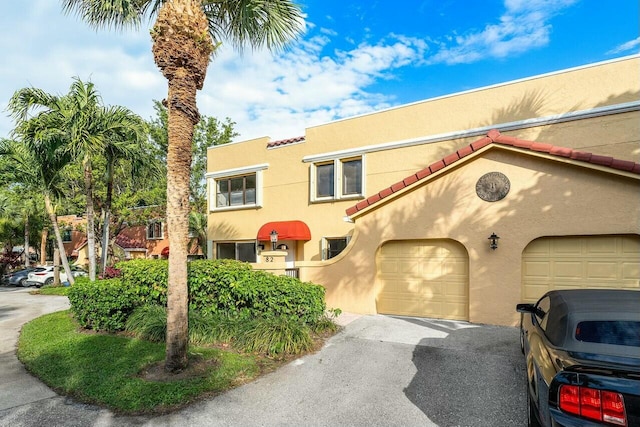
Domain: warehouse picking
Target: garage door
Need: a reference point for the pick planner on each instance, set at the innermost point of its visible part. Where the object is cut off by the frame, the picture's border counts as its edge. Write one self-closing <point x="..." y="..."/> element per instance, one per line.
<point x="580" y="262"/>
<point x="425" y="278"/>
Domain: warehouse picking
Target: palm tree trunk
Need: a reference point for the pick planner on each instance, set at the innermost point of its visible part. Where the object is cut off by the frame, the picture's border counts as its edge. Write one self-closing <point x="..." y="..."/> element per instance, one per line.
<point x="178" y="171"/>
<point x="91" y="231"/>
<point x="26" y="240"/>
<point x="56" y="230"/>
<point x="181" y="48"/>
<point x="43" y="246"/>
<point x="107" y="216"/>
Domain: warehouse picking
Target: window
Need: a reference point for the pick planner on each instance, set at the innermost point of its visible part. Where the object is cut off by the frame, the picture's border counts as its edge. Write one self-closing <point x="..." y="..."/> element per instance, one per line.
<point x="236" y="191"/>
<point x="239" y="188"/>
<point x="240" y="251"/>
<point x="337" y="179"/>
<point x="616" y="332"/>
<point x="543" y="309"/>
<point x="154" y="230"/>
<point x="66" y="235"/>
<point x="333" y="246"/>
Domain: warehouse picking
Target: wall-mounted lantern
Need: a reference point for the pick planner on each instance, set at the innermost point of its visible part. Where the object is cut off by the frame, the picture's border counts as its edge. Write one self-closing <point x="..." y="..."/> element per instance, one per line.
<point x="493" y="241"/>
<point x="274" y="239"/>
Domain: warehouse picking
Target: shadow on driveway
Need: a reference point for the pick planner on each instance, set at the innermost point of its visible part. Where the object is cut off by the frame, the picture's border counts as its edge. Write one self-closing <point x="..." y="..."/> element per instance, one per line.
<point x="473" y="376"/>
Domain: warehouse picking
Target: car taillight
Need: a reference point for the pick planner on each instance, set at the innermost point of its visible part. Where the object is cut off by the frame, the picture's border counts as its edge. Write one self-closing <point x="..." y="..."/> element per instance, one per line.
<point x="595" y="404"/>
<point x="39" y="274"/>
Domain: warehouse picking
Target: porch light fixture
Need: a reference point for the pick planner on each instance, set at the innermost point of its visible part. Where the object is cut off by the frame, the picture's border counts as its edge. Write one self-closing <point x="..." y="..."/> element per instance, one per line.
<point x="493" y="241"/>
<point x="274" y="239"/>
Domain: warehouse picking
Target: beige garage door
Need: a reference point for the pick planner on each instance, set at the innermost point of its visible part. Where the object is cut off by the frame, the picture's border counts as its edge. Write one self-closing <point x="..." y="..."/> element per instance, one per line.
<point x="580" y="262"/>
<point x="425" y="278"/>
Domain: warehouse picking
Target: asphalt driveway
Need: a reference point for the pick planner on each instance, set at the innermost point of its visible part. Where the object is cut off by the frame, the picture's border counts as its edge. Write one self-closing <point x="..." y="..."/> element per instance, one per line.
<point x="379" y="371"/>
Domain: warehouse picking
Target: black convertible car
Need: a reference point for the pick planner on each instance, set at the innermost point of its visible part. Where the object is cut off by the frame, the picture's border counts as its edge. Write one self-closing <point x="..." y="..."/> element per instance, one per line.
<point x="582" y="351"/>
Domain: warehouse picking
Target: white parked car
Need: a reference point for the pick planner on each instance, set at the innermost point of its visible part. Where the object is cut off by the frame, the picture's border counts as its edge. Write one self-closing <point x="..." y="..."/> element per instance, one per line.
<point x="44" y="275"/>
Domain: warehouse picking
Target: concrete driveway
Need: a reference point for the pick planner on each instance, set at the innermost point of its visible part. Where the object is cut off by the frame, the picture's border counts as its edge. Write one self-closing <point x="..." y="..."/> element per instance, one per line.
<point x="379" y="371"/>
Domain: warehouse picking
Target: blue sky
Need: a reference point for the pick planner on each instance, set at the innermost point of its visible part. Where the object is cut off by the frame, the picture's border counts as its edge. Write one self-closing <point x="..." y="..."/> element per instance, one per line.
<point x="352" y="58"/>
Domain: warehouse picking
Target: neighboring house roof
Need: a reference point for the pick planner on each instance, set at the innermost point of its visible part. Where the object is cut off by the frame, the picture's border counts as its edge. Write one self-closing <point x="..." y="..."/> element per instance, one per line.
<point x="132" y="238"/>
<point x="495" y="137"/>
<point x="285" y="142"/>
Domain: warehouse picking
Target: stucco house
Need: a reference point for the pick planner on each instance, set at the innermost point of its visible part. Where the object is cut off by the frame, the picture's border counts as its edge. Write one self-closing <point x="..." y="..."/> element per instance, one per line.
<point x="455" y="207"/>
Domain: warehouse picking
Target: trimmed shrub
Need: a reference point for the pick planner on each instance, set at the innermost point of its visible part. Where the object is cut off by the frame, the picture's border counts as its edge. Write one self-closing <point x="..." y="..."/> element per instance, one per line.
<point x="221" y="290"/>
<point x="147" y="278"/>
<point x="102" y="305"/>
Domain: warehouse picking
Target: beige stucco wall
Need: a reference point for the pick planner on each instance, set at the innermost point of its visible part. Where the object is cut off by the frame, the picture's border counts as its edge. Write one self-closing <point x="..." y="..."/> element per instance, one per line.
<point x="547" y="198"/>
<point x="558" y="93"/>
<point x="286" y="180"/>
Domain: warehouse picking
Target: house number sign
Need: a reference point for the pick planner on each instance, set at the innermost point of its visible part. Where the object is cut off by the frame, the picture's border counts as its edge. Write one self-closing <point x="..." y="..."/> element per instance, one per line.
<point x="493" y="186"/>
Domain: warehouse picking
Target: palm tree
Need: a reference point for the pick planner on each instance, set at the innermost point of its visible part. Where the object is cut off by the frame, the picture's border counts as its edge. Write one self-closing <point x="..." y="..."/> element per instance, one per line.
<point x="197" y="231"/>
<point x="79" y="118"/>
<point x="185" y="34"/>
<point x="127" y="142"/>
<point x="36" y="160"/>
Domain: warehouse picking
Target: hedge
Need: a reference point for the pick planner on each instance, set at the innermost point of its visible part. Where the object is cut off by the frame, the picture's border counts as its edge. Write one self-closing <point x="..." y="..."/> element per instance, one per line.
<point x="225" y="287"/>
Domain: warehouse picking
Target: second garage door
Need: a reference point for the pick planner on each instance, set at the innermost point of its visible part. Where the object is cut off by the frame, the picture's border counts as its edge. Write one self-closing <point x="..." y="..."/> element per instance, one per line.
<point x="424" y="278"/>
<point x="580" y="262"/>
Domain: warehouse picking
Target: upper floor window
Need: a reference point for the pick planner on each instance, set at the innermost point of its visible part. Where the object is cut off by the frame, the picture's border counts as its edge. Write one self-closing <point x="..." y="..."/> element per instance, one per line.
<point x="154" y="230"/>
<point x="337" y="179"/>
<point x="66" y="235"/>
<point x="236" y="191"/>
<point x="236" y="188"/>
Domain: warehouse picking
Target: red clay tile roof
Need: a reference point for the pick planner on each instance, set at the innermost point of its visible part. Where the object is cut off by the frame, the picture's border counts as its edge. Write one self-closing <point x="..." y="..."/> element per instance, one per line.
<point x="495" y="137"/>
<point x="132" y="238"/>
<point x="285" y="142"/>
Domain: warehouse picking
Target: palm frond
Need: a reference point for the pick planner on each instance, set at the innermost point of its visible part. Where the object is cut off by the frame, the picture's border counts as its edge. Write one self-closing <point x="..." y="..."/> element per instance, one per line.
<point x="253" y="23"/>
<point x="117" y="14"/>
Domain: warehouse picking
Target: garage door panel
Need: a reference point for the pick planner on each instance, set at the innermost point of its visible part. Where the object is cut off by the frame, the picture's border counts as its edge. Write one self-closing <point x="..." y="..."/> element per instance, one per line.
<point x="430" y="279"/>
<point x="580" y="262"/>
<point x="536" y="268"/>
<point x="631" y="271"/>
<point x="608" y="270"/>
<point x="567" y="269"/>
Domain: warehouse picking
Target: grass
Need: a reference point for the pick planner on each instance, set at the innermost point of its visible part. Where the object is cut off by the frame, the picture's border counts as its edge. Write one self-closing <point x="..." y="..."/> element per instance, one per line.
<point x="52" y="290"/>
<point x="124" y="371"/>
<point x="109" y="370"/>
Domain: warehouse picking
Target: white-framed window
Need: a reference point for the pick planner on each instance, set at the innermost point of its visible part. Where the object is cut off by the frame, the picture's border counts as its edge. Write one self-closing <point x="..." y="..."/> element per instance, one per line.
<point x="337" y="179"/>
<point x="236" y="188"/>
<point x="332" y="246"/>
<point x="236" y="191"/>
<point x="66" y="235"/>
<point x="240" y="251"/>
<point x="155" y="230"/>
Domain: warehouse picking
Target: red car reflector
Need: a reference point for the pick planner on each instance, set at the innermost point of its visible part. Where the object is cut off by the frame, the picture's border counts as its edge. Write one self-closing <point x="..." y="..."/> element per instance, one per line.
<point x="594" y="404"/>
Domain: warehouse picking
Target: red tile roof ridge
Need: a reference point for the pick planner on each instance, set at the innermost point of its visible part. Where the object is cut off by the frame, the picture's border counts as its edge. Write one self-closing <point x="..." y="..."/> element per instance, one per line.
<point x="285" y="141"/>
<point x="495" y="137"/>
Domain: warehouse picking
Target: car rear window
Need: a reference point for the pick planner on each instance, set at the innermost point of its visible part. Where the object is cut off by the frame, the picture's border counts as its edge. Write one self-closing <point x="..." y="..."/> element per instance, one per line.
<point x="617" y="332"/>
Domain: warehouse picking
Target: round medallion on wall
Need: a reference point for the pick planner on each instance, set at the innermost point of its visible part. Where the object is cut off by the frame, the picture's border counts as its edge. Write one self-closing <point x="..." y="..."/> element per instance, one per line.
<point x="493" y="186"/>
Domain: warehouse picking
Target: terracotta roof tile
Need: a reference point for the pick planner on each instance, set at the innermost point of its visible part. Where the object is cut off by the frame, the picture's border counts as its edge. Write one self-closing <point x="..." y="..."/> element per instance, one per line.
<point x="410" y="180"/>
<point x="435" y="167"/>
<point x="495" y="137"/>
<point x="285" y="142"/>
<point x="451" y="158"/>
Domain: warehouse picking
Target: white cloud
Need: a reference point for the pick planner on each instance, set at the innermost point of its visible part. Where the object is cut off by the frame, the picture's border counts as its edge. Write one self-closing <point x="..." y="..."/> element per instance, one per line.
<point x="631" y="46"/>
<point x="278" y="95"/>
<point x="524" y="26"/>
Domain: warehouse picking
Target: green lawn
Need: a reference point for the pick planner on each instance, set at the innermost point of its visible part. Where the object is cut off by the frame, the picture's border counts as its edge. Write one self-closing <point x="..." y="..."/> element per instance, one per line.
<point x="106" y="369"/>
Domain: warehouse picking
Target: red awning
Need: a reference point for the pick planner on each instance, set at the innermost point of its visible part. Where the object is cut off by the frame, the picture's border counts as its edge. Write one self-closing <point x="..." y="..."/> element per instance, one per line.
<point x="287" y="230"/>
<point x="165" y="251"/>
